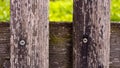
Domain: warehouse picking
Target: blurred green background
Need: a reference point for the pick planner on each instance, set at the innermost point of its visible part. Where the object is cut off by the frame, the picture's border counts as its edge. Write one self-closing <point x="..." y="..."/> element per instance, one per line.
<point x="60" y="10"/>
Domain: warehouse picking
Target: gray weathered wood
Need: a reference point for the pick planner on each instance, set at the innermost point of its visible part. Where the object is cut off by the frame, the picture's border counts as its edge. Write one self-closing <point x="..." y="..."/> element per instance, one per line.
<point x="60" y="49"/>
<point x="29" y="34"/>
<point x="91" y="33"/>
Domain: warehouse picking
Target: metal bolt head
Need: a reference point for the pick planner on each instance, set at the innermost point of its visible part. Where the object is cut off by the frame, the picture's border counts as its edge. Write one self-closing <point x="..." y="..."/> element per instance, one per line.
<point x="85" y="40"/>
<point x="22" y="42"/>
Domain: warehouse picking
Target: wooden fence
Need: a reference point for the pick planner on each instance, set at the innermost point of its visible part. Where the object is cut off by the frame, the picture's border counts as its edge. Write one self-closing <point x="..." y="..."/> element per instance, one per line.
<point x="60" y="47"/>
<point x="83" y="44"/>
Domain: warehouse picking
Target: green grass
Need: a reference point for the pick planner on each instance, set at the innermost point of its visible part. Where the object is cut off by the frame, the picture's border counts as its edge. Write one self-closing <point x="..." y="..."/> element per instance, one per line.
<point x="60" y="10"/>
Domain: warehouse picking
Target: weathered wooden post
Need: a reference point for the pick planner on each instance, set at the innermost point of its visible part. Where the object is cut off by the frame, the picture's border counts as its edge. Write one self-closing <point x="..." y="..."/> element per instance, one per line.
<point x="91" y="29"/>
<point x="29" y="34"/>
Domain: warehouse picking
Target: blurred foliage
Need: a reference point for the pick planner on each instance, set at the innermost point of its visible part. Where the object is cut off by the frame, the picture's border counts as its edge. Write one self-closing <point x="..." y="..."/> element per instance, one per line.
<point x="115" y="10"/>
<point x="60" y="10"/>
<point x="4" y="10"/>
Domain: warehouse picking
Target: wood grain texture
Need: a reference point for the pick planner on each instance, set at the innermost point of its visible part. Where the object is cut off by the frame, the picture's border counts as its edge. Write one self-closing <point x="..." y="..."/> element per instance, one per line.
<point x="115" y="46"/>
<point x="91" y="33"/>
<point x="29" y="34"/>
<point x="4" y="45"/>
<point x="60" y="46"/>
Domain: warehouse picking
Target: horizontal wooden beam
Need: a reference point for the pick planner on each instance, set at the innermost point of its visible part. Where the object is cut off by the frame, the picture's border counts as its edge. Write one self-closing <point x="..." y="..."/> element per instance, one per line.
<point x="60" y="45"/>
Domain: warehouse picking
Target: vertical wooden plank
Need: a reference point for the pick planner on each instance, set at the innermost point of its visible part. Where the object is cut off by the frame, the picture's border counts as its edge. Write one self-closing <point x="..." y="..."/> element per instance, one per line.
<point x="91" y="29"/>
<point x="29" y="34"/>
